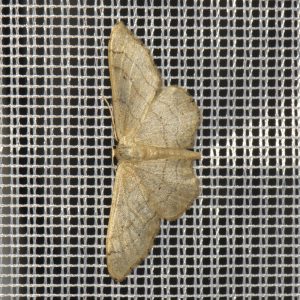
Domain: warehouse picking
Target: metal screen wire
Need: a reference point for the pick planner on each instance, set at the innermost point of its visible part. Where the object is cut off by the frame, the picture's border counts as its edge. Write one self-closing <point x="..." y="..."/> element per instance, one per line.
<point x="240" y="62"/>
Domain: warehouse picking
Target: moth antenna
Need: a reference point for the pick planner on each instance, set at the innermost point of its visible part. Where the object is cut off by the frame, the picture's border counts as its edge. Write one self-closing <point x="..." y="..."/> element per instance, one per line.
<point x="114" y="167"/>
<point x="112" y="119"/>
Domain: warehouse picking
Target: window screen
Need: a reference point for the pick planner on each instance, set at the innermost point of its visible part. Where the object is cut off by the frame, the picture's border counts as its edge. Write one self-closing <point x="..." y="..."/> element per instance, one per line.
<point x="240" y="62"/>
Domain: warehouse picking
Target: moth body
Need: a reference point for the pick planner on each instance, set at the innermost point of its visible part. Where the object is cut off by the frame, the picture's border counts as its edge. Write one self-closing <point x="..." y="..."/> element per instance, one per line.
<point x="136" y="152"/>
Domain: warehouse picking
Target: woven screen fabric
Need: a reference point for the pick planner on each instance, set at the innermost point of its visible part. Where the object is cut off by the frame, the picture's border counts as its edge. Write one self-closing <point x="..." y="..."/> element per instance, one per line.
<point x="240" y="62"/>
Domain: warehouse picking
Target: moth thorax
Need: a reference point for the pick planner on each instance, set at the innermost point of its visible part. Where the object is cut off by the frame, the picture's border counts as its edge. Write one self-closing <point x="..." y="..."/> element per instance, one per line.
<point x="130" y="152"/>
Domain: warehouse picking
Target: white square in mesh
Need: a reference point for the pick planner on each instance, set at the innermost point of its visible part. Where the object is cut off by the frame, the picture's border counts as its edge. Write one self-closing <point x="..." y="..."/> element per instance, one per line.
<point x="240" y="62"/>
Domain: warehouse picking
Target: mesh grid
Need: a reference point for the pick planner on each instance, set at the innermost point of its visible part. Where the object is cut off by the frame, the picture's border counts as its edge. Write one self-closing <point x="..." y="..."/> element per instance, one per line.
<point x="240" y="62"/>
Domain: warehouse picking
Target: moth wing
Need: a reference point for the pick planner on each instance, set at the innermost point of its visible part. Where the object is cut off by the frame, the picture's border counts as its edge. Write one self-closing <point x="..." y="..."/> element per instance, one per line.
<point x="134" y="78"/>
<point x="171" y="120"/>
<point x="133" y="224"/>
<point x="171" y="184"/>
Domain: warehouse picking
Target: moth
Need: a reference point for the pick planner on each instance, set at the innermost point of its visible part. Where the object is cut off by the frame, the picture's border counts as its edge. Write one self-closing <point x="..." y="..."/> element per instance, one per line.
<point x="154" y="126"/>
